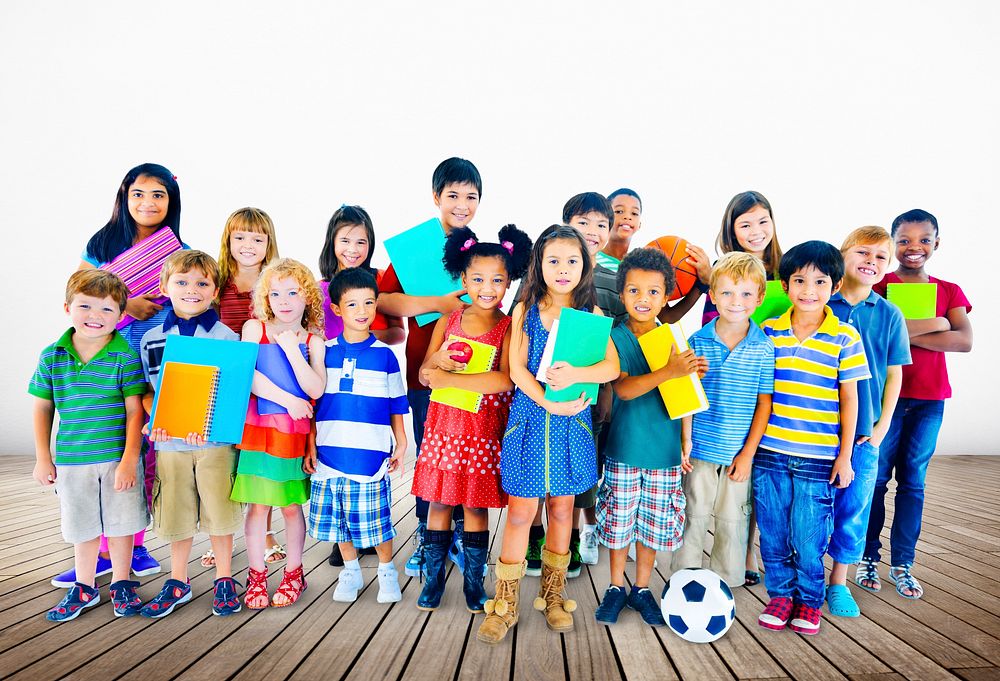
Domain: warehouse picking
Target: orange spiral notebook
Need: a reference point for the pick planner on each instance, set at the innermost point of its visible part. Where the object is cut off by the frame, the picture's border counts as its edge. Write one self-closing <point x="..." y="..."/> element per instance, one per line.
<point x="186" y="399"/>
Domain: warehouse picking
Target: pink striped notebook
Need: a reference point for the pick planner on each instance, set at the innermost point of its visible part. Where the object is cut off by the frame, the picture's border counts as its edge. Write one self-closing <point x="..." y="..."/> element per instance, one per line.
<point x="139" y="267"/>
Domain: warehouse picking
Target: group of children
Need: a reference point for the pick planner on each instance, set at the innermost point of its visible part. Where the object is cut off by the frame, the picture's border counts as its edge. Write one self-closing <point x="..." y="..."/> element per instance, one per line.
<point x="809" y="414"/>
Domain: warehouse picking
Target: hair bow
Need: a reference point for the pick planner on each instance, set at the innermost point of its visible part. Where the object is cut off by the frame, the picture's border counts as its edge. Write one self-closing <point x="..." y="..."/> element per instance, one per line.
<point x="509" y="246"/>
<point x="469" y="243"/>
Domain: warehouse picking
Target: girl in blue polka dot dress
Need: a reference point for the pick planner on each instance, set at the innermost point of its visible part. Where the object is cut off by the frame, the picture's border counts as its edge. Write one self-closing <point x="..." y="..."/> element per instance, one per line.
<point x="548" y="447"/>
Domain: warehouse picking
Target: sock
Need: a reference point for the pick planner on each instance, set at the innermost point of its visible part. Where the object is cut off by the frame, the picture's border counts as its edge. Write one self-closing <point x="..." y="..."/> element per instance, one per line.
<point x="352" y="565"/>
<point x="536" y="532"/>
<point x="615" y="586"/>
<point x="637" y="589"/>
<point x="386" y="567"/>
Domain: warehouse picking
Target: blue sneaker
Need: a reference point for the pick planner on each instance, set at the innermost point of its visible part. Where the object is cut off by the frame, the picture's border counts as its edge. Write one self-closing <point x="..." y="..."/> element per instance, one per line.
<point x="77" y="599"/>
<point x="67" y="579"/>
<point x="611" y="605"/>
<point x="225" y="602"/>
<point x="125" y="599"/>
<point x="456" y="552"/>
<point x="143" y="564"/>
<point x="643" y="602"/>
<point x="415" y="565"/>
<point x="173" y="593"/>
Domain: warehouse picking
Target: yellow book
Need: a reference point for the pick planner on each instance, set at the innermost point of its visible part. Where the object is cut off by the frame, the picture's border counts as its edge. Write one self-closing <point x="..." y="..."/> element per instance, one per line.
<point x="682" y="396"/>
<point x="481" y="362"/>
<point x="185" y="400"/>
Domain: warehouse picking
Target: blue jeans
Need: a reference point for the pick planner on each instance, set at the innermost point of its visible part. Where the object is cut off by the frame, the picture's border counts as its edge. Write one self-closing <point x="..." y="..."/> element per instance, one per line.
<point x="419" y="402"/>
<point x="794" y="502"/>
<point x="906" y="449"/>
<point x="851" y="506"/>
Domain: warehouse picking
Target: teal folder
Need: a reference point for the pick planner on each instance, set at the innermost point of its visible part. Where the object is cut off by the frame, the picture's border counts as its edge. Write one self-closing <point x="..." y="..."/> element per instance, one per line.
<point x="915" y="301"/>
<point x="582" y="341"/>
<point x="236" y="361"/>
<point x="416" y="257"/>
<point x="776" y="303"/>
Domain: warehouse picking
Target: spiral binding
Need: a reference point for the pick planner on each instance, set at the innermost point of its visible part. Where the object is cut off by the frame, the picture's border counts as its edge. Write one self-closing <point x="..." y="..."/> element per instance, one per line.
<point x="206" y="430"/>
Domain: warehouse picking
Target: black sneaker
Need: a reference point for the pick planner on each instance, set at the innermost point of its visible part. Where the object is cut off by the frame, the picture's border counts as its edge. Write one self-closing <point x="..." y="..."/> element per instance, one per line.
<point x="335" y="559"/>
<point x="611" y="605"/>
<point x="534" y="555"/>
<point x="575" y="561"/>
<point x="643" y="602"/>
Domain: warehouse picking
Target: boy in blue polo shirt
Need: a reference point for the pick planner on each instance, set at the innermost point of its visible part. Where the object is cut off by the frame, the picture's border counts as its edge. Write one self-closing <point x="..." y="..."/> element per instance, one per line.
<point x="867" y="252"/>
<point x="95" y="382"/>
<point x="719" y="444"/>
<point x="806" y="449"/>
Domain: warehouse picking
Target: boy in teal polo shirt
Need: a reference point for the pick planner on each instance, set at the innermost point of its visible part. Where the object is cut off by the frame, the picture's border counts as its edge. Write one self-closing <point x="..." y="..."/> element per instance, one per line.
<point x="640" y="498"/>
<point x="95" y="382"/>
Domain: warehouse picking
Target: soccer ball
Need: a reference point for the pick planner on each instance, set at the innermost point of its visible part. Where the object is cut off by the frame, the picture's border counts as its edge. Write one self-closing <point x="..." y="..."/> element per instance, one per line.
<point x="698" y="605"/>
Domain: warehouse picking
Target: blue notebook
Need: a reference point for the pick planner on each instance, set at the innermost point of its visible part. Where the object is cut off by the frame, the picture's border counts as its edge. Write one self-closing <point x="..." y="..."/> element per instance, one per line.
<point x="273" y="363"/>
<point x="235" y="361"/>
<point x="416" y="257"/>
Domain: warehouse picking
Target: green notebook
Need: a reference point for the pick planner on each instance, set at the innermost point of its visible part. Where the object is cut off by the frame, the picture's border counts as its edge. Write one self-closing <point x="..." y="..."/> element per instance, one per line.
<point x="915" y="301"/>
<point x="581" y="340"/>
<point x="776" y="303"/>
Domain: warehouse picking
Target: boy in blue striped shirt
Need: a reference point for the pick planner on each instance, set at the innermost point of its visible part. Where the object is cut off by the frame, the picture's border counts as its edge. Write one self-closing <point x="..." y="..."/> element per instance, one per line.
<point x="805" y="454"/>
<point x="719" y="444"/>
<point x="357" y="419"/>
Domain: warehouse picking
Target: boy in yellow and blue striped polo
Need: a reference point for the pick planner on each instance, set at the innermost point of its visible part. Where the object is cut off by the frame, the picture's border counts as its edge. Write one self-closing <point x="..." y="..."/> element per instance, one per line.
<point x="805" y="453"/>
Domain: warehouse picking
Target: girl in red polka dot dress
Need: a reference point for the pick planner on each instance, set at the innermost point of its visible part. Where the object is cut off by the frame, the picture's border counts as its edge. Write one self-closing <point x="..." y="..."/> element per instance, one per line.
<point x="459" y="461"/>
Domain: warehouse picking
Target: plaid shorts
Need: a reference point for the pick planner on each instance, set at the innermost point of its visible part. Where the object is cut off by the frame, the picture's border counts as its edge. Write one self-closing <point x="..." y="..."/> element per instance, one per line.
<point x="640" y="504"/>
<point x="342" y="510"/>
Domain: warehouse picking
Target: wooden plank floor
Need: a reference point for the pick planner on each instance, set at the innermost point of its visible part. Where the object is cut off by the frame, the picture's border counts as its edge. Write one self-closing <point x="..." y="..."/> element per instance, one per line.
<point x="953" y="632"/>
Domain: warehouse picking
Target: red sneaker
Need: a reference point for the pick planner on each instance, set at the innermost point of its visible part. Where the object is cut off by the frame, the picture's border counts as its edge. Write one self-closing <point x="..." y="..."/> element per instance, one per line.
<point x="805" y="620"/>
<point x="776" y="614"/>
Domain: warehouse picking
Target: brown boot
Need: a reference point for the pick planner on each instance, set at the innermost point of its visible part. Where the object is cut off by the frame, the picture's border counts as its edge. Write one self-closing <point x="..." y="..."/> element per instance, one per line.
<point x="501" y="610"/>
<point x="558" y="612"/>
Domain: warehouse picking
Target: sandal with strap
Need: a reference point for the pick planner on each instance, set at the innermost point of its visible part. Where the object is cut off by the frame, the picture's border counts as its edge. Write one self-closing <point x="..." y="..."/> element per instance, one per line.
<point x="293" y="583"/>
<point x="866" y="576"/>
<point x="272" y="554"/>
<point x="256" y="597"/>
<point x="904" y="581"/>
<point x="208" y="559"/>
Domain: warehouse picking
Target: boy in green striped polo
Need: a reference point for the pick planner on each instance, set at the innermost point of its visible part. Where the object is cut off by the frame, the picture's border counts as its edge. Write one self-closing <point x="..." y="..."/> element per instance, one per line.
<point x="95" y="382"/>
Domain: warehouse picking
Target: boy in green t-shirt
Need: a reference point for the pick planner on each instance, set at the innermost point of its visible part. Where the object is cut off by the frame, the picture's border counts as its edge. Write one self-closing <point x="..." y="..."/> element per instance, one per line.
<point x="640" y="497"/>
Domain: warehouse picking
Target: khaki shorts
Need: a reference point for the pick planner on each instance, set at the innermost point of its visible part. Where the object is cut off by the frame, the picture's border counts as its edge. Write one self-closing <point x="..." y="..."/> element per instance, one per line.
<point x="191" y="493"/>
<point x="89" y="505"/>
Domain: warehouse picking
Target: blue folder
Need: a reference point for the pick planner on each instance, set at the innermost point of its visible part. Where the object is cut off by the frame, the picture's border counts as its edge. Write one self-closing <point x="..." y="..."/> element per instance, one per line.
<point x="416" y="257"/>
<point x="236" y="361"/>
<point x="273" y="363"/>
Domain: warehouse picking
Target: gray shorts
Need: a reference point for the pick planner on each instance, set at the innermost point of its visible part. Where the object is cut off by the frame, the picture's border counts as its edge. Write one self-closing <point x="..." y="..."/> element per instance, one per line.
<point x="89" y="505"/>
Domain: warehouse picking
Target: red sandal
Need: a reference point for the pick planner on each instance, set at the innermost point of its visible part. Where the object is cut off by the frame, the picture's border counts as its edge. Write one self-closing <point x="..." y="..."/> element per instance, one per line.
<point x="293" y="583"/>
<point x="256" y="597"/>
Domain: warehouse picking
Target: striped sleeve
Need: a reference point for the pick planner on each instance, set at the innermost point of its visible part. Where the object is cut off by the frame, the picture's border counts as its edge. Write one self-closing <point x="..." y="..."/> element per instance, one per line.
<point x="41" y="381"/>
<point x="398" y="403"/>
<point x="765" y="385"/>
<point x="853" y="364"/>
<point x="133" y="380"/>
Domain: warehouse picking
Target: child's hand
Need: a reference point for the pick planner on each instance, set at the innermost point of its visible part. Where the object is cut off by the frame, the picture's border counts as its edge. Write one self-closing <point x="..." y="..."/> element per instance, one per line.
<point x="842" y="473"/>
<point x="143" y="307"/>
<point x="309" y="461"/>
<point x="702" y="265"/>
<point x="702" y="366"/>
<point x="124" y="477"/>
<point x="155" y="435"/>
<point x="394" y="461"/>
<point x="44" y="473"/>
<point x="193" y="439"/>
<point x="686" y="465"/>
<point x="568" y="408"/>
<point x="289" y="342"/>
<point x="436" y="378"/>
<point x="450" y="302"/>
<point x="561" y="375"/>
<point x="442" y="358"/>
<point x="680" y="364"/>
<point x="298" y="408"/>
<point x="739" y="470"/>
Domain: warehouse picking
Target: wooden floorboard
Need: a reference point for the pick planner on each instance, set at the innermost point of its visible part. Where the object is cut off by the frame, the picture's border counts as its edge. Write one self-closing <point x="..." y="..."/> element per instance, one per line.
<point x="953" y="632"/>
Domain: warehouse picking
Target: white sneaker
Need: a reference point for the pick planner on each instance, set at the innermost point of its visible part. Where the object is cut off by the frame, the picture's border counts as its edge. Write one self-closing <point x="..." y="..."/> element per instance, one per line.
<point x="588" y="545"/>
<point x="348" y="585"/>
<point x="388" y="584"/>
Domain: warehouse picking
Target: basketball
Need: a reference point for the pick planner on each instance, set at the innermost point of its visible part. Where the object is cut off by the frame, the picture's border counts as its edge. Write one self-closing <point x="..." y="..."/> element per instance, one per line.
<point x="685" y="275"/>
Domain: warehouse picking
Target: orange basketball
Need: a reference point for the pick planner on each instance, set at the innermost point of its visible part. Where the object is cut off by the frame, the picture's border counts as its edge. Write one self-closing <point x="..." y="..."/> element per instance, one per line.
<point x="674" y="248"/>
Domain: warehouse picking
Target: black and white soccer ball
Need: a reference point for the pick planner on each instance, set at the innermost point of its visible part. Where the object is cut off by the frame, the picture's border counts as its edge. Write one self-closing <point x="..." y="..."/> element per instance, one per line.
<point x="698" y="605"/>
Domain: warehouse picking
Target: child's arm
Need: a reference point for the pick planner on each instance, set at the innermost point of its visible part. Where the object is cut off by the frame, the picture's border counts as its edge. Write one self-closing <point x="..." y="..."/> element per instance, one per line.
<point x="920" y="327"/>
<point x="958" y="339"/>
<point x="678" y="364"/>
<point x="842" y="473"/>
<point x="394" y="334"/>
<point x="686" y="444"/>
<point x="671" y="314"/>
<point x="487" y="383"/>
<point x="311" y="375"/>
<point x="739" y="470"/>
<point x="525" y="380"/>
<point x="399" y="435"/>
<point x="42" y="414"/>
<point x="134" y="417"/>
<point x="309" y="460"/>
<point x="262" y="386"/>
<point x="438" y="356"/>
<point x="563" y="374"/>
<point x="402" y="305"/>
<point x="890" y="396"/>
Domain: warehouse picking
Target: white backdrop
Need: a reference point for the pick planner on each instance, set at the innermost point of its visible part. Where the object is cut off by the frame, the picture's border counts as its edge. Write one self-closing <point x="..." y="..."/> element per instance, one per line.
<point x="842" y="115"/>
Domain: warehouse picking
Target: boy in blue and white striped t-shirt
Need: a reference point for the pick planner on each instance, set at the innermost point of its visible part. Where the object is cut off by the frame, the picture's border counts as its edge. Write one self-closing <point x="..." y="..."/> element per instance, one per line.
<point x="805" y="453"/>
<point x="357" y="419"/>
<point x="719" y="444"/>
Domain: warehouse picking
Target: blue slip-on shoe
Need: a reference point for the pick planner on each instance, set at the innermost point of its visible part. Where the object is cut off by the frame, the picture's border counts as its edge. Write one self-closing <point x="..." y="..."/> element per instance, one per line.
<point x="67" y="579"/>
<point x="643" y="602"/>
<point x="611" y="605"/>
<point x="143" y="564"/>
